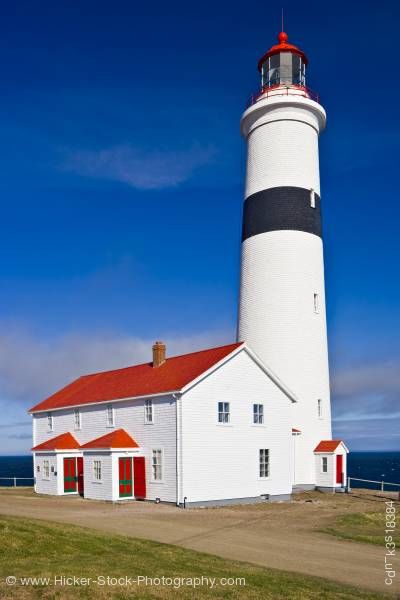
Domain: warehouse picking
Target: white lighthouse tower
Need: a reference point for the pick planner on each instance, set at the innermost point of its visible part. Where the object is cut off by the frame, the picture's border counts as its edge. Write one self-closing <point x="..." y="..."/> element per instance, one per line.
<point x="282" y="296"/>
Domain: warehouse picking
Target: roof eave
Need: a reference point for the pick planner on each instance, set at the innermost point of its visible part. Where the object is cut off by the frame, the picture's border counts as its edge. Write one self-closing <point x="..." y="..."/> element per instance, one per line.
<point x="287" y="391"/>
<point x="32" y="411"/>
<point x="211" y="369"/>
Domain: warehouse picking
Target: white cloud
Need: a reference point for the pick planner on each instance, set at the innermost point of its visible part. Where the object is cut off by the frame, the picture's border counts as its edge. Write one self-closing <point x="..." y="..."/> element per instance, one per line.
<point x="365" y="403"/>
<point x="139" y="169"/>
<point x="32" y="366"/>
<point x="376" y="377"/>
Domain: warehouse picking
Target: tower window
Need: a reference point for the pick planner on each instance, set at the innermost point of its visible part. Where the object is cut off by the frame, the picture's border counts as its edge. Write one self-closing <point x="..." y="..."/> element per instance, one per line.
<point x="319" y="408"/>
<point x="316" y="303"/>
<point x="312" y="198"/>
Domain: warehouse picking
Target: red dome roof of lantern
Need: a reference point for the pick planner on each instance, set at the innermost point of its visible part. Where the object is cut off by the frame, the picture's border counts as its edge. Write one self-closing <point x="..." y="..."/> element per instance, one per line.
<point x="283" y="46"/>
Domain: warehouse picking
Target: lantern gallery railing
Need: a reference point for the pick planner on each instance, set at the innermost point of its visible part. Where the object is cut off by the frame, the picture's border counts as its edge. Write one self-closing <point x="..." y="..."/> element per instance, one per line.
<point x="282" y="90"/>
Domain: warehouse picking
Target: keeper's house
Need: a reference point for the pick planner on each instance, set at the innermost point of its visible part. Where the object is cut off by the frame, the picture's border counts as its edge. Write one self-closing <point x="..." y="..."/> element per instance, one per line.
<point x="208" y="427"/>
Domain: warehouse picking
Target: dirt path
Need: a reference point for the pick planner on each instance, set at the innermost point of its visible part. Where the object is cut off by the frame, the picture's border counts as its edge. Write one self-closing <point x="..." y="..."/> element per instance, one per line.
<point x="278" y="535"/>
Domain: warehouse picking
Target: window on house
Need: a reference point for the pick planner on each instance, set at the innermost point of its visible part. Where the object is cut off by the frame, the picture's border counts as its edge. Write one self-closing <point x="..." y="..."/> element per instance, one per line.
<point x="148" y="411"/>
<point x="316" y="303"/>
<point x="97" y="470"/>
<point x="312" y="198"/>
<point x="157" y="465"/>
<point x="324" y="464"/>
<point x="77" y="418"/>
<point x="258" y="414"/>
<point x="223" y="412"/>
<point x="264" y="463"/>
<point x="46" y="469"/>
<point x="110" y="415"/>
<point x="49" y="421"/>
<point x="319" y="408"/>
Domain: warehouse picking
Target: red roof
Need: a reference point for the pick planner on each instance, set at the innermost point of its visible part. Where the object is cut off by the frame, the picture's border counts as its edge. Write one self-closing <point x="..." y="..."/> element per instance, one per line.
<point x="294" y="430"/>
<point x="328" y="446"/>
<point x="65" y="441"/>
<point x="116" y="439"/>
<point x="283" y="46"/>
<point x="139" y="380"/>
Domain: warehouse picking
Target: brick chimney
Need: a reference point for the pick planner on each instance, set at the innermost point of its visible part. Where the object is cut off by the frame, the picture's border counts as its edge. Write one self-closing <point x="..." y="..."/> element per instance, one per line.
<point x="159" y="349"/>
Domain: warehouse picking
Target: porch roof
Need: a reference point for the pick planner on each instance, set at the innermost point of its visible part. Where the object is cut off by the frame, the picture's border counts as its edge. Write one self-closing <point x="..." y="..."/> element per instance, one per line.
<point x="329" y="446"/>
<point x="116" y="439"/>
<point x="65" y="441"/>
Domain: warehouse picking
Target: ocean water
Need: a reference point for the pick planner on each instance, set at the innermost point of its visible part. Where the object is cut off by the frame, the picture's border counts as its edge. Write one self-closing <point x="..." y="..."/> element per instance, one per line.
<point x="16" y="466"/>
<point x="378" y="466"/>
<point x="363" y="465"/>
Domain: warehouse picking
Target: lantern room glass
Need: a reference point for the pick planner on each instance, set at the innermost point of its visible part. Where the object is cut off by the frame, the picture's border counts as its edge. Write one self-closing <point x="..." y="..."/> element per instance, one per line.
<point x="285" y="68"/>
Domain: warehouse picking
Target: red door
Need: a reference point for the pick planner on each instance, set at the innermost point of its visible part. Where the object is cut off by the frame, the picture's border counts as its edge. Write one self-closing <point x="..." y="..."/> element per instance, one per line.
<point x="125" y="477"/>
<point x="139" y="477"/>
<point x="70" y="475"/>
<point x="339" y="469"/>
<point x="79" y="468"/>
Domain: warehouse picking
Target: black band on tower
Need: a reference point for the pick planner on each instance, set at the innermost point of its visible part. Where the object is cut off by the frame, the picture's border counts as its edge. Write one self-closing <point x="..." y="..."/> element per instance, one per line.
<point x="282" y="208"/>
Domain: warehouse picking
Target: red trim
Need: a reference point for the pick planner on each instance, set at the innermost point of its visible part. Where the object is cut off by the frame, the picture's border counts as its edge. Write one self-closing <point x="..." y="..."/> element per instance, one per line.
<point x="283" y="46"/>
<point x="285" y="91"/>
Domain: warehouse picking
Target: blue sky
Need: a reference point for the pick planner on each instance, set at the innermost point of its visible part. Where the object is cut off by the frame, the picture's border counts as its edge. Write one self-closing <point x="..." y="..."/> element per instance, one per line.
<point x="121" y="190"/>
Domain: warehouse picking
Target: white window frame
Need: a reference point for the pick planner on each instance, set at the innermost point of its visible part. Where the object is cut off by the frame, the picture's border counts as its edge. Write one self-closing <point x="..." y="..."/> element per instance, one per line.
<point x="258" y="414"/>
<point x="312" y="198"/>
<point x="97" y="471"/>
<point x="77" y="419"/>
<point x="46" y="469"/>
<point x="319" y="408"/>
<point x="264" y="463"/>
<point x="316" y="303"/>
<point x="148" y="412"/>
<point x="324" y="464"/>
<point x="110" y="413"/>
<point x="50" y="422"/>
<point x="159" y="464"/>
<point x="224" y="413"/>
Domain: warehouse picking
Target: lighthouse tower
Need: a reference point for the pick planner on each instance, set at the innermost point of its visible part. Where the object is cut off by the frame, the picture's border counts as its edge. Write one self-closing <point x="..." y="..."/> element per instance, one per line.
<point x="282" y="296"/>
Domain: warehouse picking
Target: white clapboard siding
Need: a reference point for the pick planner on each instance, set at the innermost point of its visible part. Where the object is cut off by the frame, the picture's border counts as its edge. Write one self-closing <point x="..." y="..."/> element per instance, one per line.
<point x="222" y="461"/>
<point x="50" y="485"/>
<point x="98" y="490"/>
<point x="129" y="415"/>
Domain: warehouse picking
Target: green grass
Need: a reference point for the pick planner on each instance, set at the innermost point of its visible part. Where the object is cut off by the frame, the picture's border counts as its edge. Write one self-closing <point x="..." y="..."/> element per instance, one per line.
<point x="361" y="527"/>
<point x="44" y="549"/>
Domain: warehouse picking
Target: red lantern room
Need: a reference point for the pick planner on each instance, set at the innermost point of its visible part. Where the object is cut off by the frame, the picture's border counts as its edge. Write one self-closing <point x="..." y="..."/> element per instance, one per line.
<point x="283" y="64"/>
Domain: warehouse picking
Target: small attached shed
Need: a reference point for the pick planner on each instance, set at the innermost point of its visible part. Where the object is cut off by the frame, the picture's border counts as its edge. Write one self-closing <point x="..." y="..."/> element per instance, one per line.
<point x="114" y="468"/>
<point x="58" y="466"/>
<point x="331" y="465"/>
